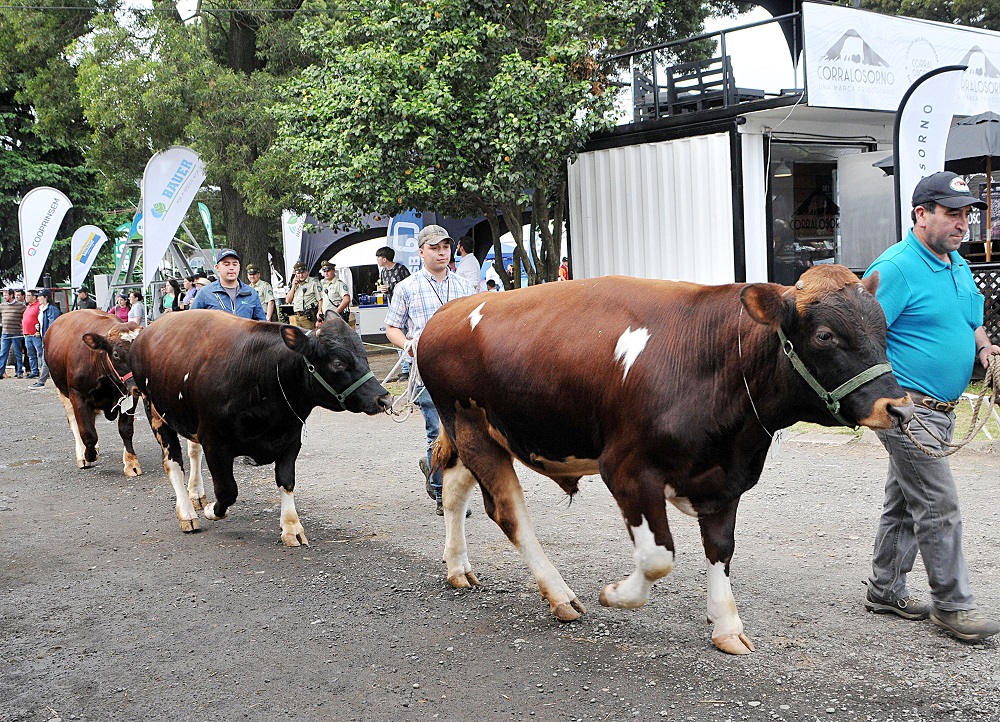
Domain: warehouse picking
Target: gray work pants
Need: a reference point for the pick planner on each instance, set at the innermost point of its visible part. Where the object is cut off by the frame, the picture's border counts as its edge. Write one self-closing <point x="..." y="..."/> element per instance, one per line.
<point x="921" y="512"/>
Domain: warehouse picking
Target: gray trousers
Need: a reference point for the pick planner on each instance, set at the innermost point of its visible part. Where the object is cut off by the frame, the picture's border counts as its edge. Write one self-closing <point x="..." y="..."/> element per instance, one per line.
<point x="921" y="512"/>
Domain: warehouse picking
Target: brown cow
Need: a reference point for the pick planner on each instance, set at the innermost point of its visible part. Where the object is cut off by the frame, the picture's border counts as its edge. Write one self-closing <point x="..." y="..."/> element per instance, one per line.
<point x="87" y="353"/>
<point x="236" y="387"/>
<point x="670" y="391"/>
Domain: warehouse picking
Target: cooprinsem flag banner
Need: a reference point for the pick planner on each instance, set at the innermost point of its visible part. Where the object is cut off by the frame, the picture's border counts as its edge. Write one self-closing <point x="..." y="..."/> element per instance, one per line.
<point x="39" y="216"/>
<point x="291" y="235"/>
<point x="169" y="184"/>
<point x="86" y="243"/>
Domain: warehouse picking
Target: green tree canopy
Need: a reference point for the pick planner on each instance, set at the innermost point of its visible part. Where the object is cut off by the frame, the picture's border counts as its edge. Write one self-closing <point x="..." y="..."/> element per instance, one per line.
<point x="464" y="107"/>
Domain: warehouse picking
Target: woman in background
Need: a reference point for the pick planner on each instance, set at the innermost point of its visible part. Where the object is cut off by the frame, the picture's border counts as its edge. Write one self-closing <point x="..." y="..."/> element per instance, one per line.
<point x="137" y="308"/>
<point x="121" y="308"/>
<point x="170" y="299"/>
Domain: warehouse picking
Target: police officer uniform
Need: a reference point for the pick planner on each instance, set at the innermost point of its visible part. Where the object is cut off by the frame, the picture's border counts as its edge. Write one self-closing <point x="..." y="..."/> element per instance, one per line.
<point x="304" y="299"/>
<point x="263" y="289"/>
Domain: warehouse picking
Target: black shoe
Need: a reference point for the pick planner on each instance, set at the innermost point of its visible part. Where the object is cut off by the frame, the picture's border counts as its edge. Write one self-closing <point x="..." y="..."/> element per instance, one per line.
<point x="969" y="625"/>
<point x="440" y="508"/>
<point x="425" y="469"/>
<point x="908" y="608"/>
<point x="31" y="376"/>
<point x="403" y="377"/>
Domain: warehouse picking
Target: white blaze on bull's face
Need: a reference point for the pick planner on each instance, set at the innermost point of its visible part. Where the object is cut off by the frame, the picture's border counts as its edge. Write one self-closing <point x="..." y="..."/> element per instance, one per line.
<point x="130" y="335"/>
<point x="476" y="316"/>
<point x="630" y="345"/>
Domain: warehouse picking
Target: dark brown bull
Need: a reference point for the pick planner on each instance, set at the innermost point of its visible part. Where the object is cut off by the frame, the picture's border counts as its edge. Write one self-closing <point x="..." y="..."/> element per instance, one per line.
<point x="87" y="354"/>
<point x="236" y="387"/>
<point x="670" y="391"/>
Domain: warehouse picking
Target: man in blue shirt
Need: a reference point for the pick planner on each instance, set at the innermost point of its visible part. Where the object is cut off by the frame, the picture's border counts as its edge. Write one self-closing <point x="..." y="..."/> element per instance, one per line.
<point x="934" y="314"/>
<point x="229" y="293"/>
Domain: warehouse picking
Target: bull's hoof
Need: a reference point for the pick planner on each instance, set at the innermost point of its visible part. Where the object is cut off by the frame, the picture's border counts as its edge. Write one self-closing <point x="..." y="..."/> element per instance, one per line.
<point x="209" y="510"/>
<point x="84" y="464"/>
<point x="463" y="580"/>
<point x="735" y="643"/>
<point x="610" y="597"/>
<point x="199" y="502"/>
<point x="569" y="611"/>
<point x="134" y="470"/>
<point x="189" y="526"/>
<point x="291" y="539"/>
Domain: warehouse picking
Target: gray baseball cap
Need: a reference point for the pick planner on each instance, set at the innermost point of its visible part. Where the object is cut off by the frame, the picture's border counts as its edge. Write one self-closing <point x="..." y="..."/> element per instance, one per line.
<point x="433" y="235"/>
<point x="947" y="189"/>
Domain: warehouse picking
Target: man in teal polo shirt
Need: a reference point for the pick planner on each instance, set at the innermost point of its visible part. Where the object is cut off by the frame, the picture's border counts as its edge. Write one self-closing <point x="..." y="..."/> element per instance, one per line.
<point x="935" y="317"/>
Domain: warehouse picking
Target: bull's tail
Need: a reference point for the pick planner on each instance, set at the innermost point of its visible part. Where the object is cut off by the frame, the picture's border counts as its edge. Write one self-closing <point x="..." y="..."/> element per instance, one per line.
<point x="443" y="454"/>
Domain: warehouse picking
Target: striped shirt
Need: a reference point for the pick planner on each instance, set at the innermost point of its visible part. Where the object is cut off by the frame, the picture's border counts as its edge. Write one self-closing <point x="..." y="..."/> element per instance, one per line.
<point x="11" y="313"/>
<point x="417" y="297"/>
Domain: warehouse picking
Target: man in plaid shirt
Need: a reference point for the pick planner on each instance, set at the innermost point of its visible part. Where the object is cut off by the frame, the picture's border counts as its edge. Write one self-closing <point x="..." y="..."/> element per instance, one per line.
<point x="414" y="301"/>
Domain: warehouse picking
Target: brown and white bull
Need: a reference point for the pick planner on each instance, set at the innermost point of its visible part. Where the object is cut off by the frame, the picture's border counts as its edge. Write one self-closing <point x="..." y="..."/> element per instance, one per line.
<point x="234" y="387"/>
<point x="87" y="352"/>
<point x="670" y="391"/>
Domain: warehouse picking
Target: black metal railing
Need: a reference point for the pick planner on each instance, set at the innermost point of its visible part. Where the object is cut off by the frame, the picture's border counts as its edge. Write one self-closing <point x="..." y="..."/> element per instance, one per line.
<point x="661" y="86"/>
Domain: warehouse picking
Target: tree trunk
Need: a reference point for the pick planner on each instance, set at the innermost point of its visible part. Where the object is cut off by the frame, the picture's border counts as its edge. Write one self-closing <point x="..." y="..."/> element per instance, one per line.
<point x="494" y="221"/>
<point x="548" y="212"/>
<point x="512" y="213"/>
<point x="246" y="234"/>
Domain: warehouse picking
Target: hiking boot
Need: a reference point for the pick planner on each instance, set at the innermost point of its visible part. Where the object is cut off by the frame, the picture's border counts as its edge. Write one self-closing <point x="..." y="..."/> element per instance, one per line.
<point x="966" y="624"/>
<point x="425" y="469"/>
<point x="907" y="608"/>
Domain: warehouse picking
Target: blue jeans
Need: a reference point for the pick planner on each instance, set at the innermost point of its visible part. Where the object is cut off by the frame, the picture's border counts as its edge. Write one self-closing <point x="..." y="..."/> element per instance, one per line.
<point x="7" y="343"/>
<point x="432" y="427"/>
<point x="34" y="346"/>
<point x="921" y="512"/>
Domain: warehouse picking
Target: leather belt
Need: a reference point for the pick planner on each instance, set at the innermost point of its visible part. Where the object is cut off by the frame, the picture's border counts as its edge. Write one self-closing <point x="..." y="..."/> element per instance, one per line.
<point x="930" y="402"/>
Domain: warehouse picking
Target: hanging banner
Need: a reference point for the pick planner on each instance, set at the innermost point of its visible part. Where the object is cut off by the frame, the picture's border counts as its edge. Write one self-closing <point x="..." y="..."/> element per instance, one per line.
<point x="38" y="216"/>
<point x="921" y="134"/>
<point x="86" y="243"/>
<point x="402" y="238"/>
<point x="291" y="235"/>
<point x="864" y="60"/>
<point x="169" y="184"/>
<point x="206" y="218"/>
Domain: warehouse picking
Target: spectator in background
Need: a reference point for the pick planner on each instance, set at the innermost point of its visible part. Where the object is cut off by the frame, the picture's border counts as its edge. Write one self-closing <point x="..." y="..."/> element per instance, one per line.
<point x="170" y="296"/>
<point x="229" y="294"/>
<point x="303" y="295"/>
<point x="47" y="313"/>
<point x="564" y="273"/>
<point x="11" y="313"/>
<point x="121" y="307"/>
<point x="468" y="265"/>
<point x="137" y="308"/>
<point x="190" y="291"/>
<point x="390" y="273"/>
<point x="83" y="299"/>
<point x="335" y="296"/>
<point x="491" y="285"/>
<point x="32" y="339"/>
<point x="263" y="289"/>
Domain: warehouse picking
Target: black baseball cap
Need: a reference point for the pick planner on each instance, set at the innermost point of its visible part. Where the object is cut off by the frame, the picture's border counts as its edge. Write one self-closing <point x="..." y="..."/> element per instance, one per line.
<point x="947" y="189"/>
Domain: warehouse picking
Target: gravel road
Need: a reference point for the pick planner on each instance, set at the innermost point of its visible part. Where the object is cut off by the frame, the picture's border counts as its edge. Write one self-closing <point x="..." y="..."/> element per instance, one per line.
<point x="109" y="612"/>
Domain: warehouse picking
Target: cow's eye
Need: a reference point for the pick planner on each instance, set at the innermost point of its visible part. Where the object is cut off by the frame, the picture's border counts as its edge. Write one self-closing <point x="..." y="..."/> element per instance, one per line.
<point x="824" y="335"/>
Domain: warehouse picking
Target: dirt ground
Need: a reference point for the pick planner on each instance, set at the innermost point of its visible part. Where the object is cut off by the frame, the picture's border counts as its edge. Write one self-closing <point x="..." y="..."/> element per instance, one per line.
<point x="109" y="612"/>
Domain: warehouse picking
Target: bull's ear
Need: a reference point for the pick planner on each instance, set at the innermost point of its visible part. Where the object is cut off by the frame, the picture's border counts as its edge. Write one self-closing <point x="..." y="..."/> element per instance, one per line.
<point x="329" y="316"/>
<point x="766" y="303"/>
<point x="96" y="342"/>
<point x="295" y="338"/>
<point x="871" y="283"/>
